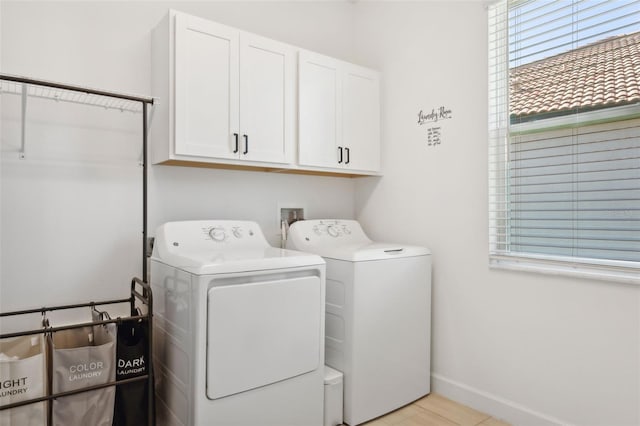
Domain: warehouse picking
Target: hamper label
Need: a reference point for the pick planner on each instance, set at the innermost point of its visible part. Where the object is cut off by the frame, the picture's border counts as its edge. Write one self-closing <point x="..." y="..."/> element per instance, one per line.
<point x="131" y="366"/>
<point x="12" y="387"/>
<point x="87" y="370"/>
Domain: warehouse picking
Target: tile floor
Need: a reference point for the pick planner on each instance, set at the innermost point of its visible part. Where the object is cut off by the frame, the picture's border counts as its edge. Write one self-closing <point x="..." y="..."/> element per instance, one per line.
<point x="435" y="410"/>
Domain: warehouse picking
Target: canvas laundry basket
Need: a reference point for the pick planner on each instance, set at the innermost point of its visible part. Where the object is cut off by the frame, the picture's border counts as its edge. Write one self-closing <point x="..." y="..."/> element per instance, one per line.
<point x="22" y="377"/>
<point x="132" y="354"/>
<point x="83" y="357"/>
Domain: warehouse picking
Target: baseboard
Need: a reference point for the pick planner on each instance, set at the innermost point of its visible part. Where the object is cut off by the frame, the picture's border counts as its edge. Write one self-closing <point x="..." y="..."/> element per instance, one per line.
<point x="500" y="408"/>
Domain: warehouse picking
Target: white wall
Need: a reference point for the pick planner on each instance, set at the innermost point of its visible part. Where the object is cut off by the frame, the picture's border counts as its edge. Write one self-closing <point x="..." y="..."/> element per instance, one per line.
<point x="70" y="231"/>
<point x="533" y="349"/>
<point x="526" y="347"/>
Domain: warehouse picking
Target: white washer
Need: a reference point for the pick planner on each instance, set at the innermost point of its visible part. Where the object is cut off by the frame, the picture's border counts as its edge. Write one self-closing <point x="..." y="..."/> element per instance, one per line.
<point x="238" y="327"/>
<point x="378" y="315"/>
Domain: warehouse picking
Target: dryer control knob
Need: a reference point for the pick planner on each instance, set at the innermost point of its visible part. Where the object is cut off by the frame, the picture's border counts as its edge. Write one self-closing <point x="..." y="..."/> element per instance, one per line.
<point x="217" y="234"/>
<point x="333" y="231"/>
<point x="237" y="232"/>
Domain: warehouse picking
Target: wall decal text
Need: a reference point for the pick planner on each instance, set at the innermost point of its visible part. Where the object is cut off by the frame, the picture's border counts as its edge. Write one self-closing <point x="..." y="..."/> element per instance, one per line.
<point x="434" y="133"/>
<point x="441" y="113"/>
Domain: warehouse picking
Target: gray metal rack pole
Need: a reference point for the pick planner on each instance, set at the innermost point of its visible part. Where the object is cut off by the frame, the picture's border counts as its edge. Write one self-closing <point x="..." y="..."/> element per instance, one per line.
<point x="144" y="191"/>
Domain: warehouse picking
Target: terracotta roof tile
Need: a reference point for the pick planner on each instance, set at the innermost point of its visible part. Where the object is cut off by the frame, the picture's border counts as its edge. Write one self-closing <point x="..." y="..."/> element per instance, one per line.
<point x="598" y="75"/>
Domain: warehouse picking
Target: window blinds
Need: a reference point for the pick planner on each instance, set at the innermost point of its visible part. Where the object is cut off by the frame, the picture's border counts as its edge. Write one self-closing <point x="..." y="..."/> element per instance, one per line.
<point x="564" y="131"/>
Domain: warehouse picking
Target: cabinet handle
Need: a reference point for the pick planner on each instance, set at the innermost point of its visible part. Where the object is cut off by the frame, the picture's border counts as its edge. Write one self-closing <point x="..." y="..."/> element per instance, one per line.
<point x="246" y="144"/>
<point x="340" y="153"/>
<point x="235" y="151"/>
<point x="347" y="162"/>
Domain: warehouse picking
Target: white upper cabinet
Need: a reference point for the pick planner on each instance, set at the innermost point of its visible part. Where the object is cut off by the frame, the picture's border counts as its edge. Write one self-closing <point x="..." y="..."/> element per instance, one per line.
<point x="230" y="95"/>
<point x="338" y="113"/>
<point x="207" y="82"/>
<point x="267" y="85"/>
<point x="229" y="98"/>
<point x="361" y="118"/>
<point x="319" y="110"/>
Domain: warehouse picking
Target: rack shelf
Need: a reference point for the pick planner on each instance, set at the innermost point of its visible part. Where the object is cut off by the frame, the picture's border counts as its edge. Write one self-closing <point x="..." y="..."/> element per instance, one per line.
<point x="72" y="94"/>
<point x="83" y="95"/>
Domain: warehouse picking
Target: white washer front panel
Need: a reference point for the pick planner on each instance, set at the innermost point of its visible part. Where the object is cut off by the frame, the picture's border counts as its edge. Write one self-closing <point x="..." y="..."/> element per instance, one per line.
<point x="261" y="333"/>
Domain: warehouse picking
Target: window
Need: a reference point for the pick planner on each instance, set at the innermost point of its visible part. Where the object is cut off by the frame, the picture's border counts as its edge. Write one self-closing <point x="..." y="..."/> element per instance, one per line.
<point x="564" y="136"/>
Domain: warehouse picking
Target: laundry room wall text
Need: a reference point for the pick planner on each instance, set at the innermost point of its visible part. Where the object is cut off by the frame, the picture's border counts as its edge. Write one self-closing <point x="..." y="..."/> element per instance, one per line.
<point x="435" y="115"/>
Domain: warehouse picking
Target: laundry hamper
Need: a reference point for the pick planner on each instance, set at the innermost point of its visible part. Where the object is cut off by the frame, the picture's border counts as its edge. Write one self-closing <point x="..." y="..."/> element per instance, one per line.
<point x="83" y="357"/>
<point x="132" y="355"/>
<point x="22" y="377"/>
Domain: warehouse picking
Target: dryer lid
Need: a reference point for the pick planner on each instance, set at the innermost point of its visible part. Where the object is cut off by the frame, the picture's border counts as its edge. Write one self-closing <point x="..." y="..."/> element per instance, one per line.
<point x="344" y="240"/>
<point x="222" y="246"/>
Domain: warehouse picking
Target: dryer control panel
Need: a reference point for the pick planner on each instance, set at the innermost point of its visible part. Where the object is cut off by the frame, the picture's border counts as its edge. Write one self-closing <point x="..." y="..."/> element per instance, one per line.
<point x="204" y="236"/>
<point x="204" y="247"/>
<point x="229" y="231"/>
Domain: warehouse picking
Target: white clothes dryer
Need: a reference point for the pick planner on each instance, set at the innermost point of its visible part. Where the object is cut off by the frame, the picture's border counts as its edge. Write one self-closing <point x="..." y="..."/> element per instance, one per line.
<point x="238" y="327"/>
<point x="378" y="315"/>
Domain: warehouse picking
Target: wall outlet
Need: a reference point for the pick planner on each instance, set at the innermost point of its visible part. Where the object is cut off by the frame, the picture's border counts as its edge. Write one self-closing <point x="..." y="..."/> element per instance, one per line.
<point x="288" y="213"/>
<point x="291" y="214"/>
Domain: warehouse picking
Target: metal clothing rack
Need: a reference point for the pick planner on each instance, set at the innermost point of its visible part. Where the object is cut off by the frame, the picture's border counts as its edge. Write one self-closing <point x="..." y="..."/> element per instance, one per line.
<point x="28" y="87"/>
<point x="145" y="296"/>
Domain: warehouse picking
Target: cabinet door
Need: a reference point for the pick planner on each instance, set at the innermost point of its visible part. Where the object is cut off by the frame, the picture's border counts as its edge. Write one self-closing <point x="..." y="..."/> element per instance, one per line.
<point x="266" y="99"/>
<point x="319" y="110"/>
<point x="361" y="118"/>
<point x="206" y="88"/>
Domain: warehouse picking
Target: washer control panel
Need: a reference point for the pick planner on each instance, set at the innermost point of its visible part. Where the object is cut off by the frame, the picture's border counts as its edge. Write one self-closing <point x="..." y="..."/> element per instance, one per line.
<point x="331" y="228"/>
<point x="306" y="234"/>
<point x="344" y="240"/>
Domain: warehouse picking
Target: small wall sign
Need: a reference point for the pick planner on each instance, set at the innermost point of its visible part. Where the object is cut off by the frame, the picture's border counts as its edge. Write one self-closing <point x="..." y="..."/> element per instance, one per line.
<point x="434" y="133"/>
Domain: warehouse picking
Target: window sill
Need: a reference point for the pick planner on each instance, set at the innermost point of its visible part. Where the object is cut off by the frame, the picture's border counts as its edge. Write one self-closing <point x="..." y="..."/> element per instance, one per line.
<point x="622" y="272"/>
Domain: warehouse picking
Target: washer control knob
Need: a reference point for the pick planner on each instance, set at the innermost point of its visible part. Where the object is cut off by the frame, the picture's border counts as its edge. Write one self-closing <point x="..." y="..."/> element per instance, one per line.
<point x="316" y="230"/>
<point x="333" y="231"/>
<point x="237" y="232"/>
<point x="217" y="234"/>
<point x="346" y="230"/>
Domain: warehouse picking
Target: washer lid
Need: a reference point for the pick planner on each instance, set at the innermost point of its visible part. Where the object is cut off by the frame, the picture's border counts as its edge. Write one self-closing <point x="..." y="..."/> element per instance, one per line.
<point x="373" y="251"/>
<point x="207" y="247"/>
<point x="344" y="240"/>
